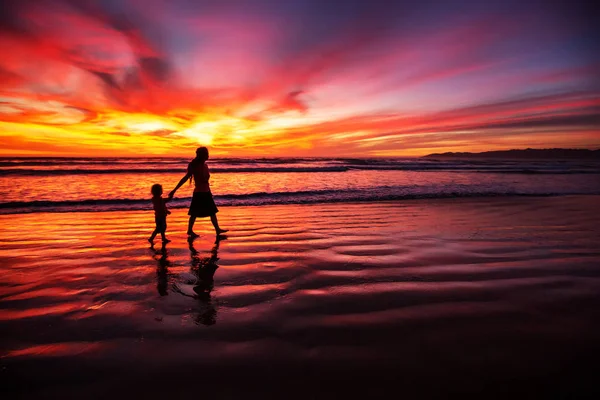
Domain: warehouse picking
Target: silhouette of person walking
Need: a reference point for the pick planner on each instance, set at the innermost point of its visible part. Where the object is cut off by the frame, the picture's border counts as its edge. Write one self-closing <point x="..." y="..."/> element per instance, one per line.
<point x="203" y="204"/>
<point x="160" y="214"/>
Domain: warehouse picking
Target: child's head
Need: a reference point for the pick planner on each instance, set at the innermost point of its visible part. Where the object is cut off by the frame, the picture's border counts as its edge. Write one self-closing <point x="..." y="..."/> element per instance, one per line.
<point x="156" y="190"/>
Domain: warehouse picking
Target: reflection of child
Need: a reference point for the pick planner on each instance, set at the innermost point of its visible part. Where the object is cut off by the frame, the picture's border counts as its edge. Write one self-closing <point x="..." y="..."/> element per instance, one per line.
<point x="160" y="213"/>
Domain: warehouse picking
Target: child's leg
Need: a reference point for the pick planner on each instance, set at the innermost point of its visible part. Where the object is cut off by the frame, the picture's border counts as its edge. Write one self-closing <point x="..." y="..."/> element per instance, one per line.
<point x="164" y="238"/>
<point x="151" y="239"/>
<point x="163" y="230"/>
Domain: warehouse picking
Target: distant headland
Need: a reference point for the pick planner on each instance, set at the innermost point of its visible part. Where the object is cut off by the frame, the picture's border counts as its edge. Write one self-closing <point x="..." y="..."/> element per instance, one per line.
<point x="525" y="154"/>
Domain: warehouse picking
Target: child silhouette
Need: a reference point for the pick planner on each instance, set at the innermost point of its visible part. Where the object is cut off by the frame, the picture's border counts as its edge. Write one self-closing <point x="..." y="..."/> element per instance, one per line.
<point x="160" y="213"/>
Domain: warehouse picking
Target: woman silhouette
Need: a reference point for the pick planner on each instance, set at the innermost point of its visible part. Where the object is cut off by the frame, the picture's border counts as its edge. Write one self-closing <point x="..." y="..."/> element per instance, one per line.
<point x="202" y="204"/>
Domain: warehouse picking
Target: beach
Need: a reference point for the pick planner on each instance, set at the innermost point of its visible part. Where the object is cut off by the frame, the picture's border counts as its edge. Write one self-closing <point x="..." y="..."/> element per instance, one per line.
<point x="414" y="298"/>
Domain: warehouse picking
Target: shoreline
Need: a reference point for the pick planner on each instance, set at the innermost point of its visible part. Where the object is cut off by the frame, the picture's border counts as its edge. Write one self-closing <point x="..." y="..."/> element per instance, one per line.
<point x="408" y="198"/>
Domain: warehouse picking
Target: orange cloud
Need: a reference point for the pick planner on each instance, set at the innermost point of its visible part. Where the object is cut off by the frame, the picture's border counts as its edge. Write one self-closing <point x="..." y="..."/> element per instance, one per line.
<point x="81" y="78"/>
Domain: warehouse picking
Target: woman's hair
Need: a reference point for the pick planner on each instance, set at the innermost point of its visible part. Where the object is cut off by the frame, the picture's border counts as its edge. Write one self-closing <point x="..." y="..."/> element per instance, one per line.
<point x="156" y="190"/>
<point x="201" y="156"/>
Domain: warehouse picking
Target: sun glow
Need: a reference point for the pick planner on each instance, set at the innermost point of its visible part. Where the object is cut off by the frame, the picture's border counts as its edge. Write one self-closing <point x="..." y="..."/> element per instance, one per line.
<point x="75" y="80"/>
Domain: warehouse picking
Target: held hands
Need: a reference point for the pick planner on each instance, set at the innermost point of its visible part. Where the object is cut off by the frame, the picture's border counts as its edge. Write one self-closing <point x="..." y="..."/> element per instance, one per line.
<point x="171" y="194"/>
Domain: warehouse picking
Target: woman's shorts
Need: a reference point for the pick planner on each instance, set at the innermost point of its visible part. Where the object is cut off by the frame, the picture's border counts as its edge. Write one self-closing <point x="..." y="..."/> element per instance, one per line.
<point x="202" y="205"/>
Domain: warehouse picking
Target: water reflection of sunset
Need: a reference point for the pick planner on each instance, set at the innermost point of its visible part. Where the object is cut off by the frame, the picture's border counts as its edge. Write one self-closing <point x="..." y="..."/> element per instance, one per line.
<point x="86" y="189"/>
<point x="298" y="269"/>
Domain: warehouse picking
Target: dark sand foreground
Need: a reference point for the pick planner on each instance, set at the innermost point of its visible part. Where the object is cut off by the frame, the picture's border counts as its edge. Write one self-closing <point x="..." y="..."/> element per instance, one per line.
<point x="483" y="298"/>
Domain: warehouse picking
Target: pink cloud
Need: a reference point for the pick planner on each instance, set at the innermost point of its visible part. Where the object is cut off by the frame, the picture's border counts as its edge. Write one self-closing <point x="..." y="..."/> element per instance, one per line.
<point x="228" y="63"/>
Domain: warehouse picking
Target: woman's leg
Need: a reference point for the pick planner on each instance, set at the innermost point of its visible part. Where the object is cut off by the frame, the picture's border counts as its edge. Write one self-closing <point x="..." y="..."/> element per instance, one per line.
<point x="190" y="230"/>
<point x="215" y="222"/>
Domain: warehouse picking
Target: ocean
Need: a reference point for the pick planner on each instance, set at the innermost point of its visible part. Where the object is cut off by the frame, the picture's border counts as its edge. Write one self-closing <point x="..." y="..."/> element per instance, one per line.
<point x="30" y="185"/>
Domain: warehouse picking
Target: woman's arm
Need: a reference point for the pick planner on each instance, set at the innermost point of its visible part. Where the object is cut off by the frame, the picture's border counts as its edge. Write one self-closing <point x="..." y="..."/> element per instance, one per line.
<point x="181" y="182"/>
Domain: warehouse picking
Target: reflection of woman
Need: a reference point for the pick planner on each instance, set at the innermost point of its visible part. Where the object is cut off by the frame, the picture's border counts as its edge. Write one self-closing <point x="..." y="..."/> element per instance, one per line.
<point x="202" y="204"/>
<point x="204" y="268"/>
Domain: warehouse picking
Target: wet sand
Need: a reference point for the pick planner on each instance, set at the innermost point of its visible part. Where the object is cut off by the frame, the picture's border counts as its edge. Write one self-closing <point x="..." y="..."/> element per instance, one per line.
<point x="424" y="298"/>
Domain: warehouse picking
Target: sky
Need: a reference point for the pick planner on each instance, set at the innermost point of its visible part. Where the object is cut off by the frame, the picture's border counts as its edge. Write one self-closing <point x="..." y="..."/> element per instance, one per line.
<point x="296" y="78"/>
